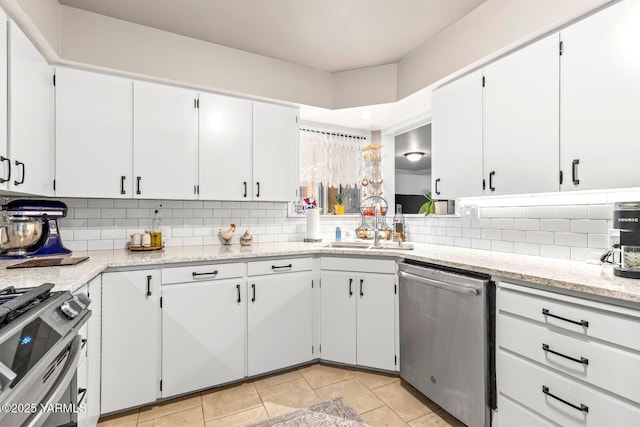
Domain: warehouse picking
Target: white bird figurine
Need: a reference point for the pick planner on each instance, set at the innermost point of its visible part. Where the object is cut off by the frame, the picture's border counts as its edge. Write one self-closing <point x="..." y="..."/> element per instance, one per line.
<point x="227" y="235"/>
<point x="246" y="239"/>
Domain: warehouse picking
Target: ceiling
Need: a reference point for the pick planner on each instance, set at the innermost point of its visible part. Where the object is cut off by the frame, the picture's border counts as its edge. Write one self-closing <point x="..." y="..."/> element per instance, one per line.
<point x="414" y="140"/>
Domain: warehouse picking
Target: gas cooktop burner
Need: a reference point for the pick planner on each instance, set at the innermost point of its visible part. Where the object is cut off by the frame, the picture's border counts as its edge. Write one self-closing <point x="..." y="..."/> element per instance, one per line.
<point x="14" y="302"/>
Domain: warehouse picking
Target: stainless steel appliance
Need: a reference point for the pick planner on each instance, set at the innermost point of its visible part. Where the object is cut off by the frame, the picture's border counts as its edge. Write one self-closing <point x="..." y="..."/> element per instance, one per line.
<point x="39" y="352"/>
<point x="446" y="337"/>
<point x="30" y="228"/>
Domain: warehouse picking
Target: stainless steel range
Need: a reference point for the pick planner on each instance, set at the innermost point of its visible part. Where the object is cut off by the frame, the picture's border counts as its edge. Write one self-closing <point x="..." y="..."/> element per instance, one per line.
<point x="39" y="352"/>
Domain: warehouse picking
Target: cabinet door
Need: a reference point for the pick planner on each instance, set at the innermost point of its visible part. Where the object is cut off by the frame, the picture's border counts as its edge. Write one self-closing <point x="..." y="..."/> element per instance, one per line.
<point x="456" y="160"/>
<point x="93" y="134"/>
<point x="165" y="142"/>
<point x="31" y="116"/>
<point x="225" y="148"/>
<point x="338" y="296"/>
<point x="4" y="151"/>
<point x="599" y="97"/>
<point x="130" y="339"/>
<point x="275" y="152"/>
<point x="376" y="321"/>
<point x="94" y="351"/>
<point x="279" y="321"/>
<point x="83" y="393"/>
<point x="521" y="120"/>
<point x="203" y="335"/>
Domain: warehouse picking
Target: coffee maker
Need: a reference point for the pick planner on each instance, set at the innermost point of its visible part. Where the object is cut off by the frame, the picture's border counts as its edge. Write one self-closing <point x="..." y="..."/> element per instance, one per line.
<point x="626" y="218"/>
<point x="30" y="229"/>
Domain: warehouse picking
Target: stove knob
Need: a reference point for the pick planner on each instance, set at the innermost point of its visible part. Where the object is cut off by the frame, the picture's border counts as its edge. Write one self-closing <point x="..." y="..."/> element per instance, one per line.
<point x="71" y="308"/>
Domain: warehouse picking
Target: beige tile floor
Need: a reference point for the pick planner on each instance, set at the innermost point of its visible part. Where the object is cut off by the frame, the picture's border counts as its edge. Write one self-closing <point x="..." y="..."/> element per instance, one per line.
<point x="381" y="400"/>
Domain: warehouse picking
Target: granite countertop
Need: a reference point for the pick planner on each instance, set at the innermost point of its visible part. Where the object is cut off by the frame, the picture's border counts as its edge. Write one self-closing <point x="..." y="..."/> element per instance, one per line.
<point x="578" y="276"/>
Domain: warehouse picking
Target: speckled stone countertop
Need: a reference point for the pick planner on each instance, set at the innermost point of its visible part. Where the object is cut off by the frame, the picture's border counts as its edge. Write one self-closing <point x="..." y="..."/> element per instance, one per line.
<point x="578" y="276"/>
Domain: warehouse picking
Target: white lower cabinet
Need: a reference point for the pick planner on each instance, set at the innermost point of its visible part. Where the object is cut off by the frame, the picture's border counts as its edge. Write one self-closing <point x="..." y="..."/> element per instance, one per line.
<point x="82" y="381"/>
<point x="279" y="314"/>
<point x="130" y="339"/>
<point x="564" y="360"/>
<point x="203" y="332"/>
<point x="358" y="312"/>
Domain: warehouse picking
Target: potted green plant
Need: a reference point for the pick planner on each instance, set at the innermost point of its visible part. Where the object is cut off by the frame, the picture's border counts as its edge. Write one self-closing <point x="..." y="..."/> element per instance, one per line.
<point x="339" y="198"/>
<point x="429" y="207"/>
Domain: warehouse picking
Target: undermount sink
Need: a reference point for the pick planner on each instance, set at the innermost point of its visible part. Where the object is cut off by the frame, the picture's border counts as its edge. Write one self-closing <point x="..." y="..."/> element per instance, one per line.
<point x="361" y="244"/>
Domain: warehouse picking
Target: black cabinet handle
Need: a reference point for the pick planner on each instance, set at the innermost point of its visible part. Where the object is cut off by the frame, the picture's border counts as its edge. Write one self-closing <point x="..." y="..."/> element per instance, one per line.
<point x="582" y="360"/>
<point x="350" y="290"/>
<point x="361" y="292"/>
<point x="238" y="288"/>
<point x="8" y="178"/>
<point x="82" y="392"/>
<point x="584" y="323"/>
<point x="245" y="189"/>
<point x="211" y="273"/>
<point x="436" y="185"/>
<point x="122" y="178"/>
<point x="258" y="185"/>
<point x="491" y="187"/>
<point x="138" y="179"/>
<point x="253" y="289"/>
<point x="148" y="286"/>
<point x="574" y="171"/>
<point x="582" y="407"/>
<point x="21" y="180"/>
<point x="277" y="267"/>
<point x="83" y="343"/>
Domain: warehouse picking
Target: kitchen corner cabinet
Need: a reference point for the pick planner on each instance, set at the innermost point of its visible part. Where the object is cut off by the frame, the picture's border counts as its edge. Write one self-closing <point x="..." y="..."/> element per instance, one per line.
<point x="280" y="317"/>
<point x="225" y="159"/>
<point x="357" y="312"/>
<point x="600" y="89"/>
<point x="275" y="152"/>
<point x="30" y="104"/>
<point x="4" y="146"/>
<point x="521" y="120"/>
<point x="93" y="134"/>
<point x="130" y="339"/>
<point x="204" y="311"/>
<point x="165" y="142"/>
<point x="582" y="360"/>
<point x="456" y="169"/>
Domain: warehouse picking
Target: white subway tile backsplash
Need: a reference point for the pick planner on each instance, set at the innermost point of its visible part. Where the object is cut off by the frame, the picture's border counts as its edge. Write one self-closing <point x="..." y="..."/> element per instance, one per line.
<point x="445" y="240"/>
<point x="453" y="232"/>
<point x="462" y="242"/>
<point x="86" y="213"/>
<point x="76" y="203"/>
<point x="601" y="211"/>
<point x="182" y="232"/>
<point x="599" y="241"/>
<point x="93" y="234"/>
<point x="222" y="213"/>
<point x="586" y="254"/>
<point x="100" y="203"/>
<point x="192" y="204"/>
<point x="544" y="237"/>
<point x="589" y="226"/>
<point x="481" y="223"/>
<point x="151" y="204"/>
<point x="126" y="203"/>
<point x="571" y="239"/>
<point x="202" y="213"/>
<point x="183" y="213"/>
<point x="526" y="224"/>
<point x="193" y="222"/>
<point x="76" y="245"/>
<point x="540" y="212"/>
<point x="99" y="245"/>
<point x="526" y="248"/>
<point x="125" y="223"/>
<point x="138" y="213"/>
<point x="473" y="233"/>
<point x="555" y="225"/>
<point x="502" y="223"/>
<point x="113" y="233"/>
<point x="501" y="246"/>
<point x="113" y="213"/>
<point x="171" y="204"/>
<point x="552" y="251"/>
<point x="481" y="244"/>
<point x="514" y="235"/>
<point x="491" y="234"/>
<point x="572" y="212"/>
<point x="192" y="241"/>
<point x="100" y="223"/>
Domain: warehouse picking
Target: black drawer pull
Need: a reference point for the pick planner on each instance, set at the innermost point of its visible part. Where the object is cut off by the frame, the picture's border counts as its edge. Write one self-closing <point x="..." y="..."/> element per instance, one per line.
<point x="491" y="187"/>
<point x="211" y="273"/>
<point x="21" y="165"/>
<point x="575" y="322"/>
<point x="83" y="343"/>
<point x="582" y="360"/>
<point x="238" y="288"/>
<point x="350" y="290"/>
<point x="361" y="291"/>
<point x="148" y="286"/>
<point x="138" y="179"/>
<point x="277" y="267"/>
<point x="574" y="171"/>
<point x="245" y="189"/>
<point x="8" y="178"/>
<point x="253" y="297"/>
<point x="82" y="393"/>
<point x="436" y="186"/>
<point x="582" y="407"/>
<point x="258" y="185"/>
<point x="122" y="178"/>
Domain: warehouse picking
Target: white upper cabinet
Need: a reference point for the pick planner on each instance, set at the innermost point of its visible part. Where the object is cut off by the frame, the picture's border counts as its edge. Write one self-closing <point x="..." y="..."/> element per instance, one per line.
<point x="225" y="148"/>
<point x="521" y="120"/>
<point x="93" y="135"/>
<point x="600" y="88"/>
<point x="31" y="117"/>
<point x="456" y="143"/>
<point x="275" y="152"/>
<point x="165" y="142"/>
<point x="4" y="147"/>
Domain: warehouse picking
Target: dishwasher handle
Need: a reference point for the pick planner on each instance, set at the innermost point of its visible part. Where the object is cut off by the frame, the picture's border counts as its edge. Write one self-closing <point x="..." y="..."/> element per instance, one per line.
<point x="465" y="290"/>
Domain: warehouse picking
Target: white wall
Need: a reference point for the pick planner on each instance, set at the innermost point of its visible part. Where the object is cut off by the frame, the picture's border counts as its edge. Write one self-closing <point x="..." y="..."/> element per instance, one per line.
<point x="413" y="182"/>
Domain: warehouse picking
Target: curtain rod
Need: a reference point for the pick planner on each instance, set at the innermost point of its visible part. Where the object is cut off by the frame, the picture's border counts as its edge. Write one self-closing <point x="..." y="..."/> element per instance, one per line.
<point x="333" y="133"/>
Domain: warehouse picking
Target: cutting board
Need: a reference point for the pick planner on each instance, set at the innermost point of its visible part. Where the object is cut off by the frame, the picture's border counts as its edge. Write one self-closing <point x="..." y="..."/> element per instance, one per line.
<point x="49" y="262"/>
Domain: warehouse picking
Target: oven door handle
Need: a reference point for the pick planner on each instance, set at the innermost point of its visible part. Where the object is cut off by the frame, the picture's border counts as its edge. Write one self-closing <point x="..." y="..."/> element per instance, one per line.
<point x="63" y="380"/>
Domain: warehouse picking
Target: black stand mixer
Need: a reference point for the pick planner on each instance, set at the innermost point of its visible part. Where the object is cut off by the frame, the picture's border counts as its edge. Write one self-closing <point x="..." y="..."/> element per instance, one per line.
<point x="30" y="229"/>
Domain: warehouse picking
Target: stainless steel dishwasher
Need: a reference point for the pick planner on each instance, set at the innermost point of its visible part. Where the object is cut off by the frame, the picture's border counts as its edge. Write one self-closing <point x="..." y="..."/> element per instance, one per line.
<point x="446" y="337"/>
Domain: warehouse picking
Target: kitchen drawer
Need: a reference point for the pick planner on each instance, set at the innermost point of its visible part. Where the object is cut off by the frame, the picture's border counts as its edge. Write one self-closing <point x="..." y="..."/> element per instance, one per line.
<point x="202" y="272"/>
<point x="278" y="266"/>
<point x="512" y="414"/>
<point x="365" y="265"/>
<point x="612" y="369"/>
<point x="617" y="325"/>
<point x="523" y="382"/>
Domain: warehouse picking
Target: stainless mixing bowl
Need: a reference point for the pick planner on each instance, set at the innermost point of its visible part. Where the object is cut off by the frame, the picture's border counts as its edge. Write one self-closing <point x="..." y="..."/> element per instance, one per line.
<point x="19" y="233"/>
